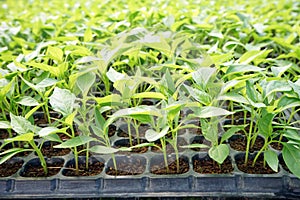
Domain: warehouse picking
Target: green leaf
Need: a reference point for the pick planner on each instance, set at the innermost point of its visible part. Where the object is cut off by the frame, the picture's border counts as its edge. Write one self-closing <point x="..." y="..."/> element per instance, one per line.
<point x="210" y="111"/>
<point x="138" y="111"/>
<point x="55" y="53"/>
<point x="24" y="137"/>
<point x="27" y="101"/>
<point x="109" y="100"/>
<point x="291" y="157"/>
<point x="219" y="153"/>
<point x="230" y="132"/>
<point x="114" y="76"/>
<point x="103" y="149"/>
<point x="88" y="35"/>
<point x="10" y="153"/>
<point x="203" y="75"/>
<point x="51" y="130"/>
<point x="236" y="68"/>
<point x="152" y="135"/>
<point x="62" y="101"/>
<point x="85" y="82"/>
<point x="4" y="125"/>
<point x="232" y="96"/>
<point x="76" y="141"/>
<point x="276" y="86"/>
<point x="152" y="95"/>
<point x="272" y="159"/>
<point x="21" y="125"/>
<point x="53" y="70"/>
<point x="70" y="118"/>
<point x="265" y="124"/>
<point x="251" y="92"/>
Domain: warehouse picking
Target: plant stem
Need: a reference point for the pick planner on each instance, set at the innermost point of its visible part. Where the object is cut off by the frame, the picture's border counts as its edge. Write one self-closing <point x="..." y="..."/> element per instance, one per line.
<point x="40" y="155"/>
<point x="249" y="136"/>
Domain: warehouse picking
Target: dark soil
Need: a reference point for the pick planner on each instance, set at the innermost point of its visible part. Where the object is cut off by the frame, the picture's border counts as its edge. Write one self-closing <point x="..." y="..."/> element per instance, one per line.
<point x="258" y="168"/>
<point x="4" y="134"/>
<point x="208" y="166"/>
<point x="126" y="143"/>
<point x="95" y="167"/>
<point x="40" y="120"/>
<point x="238" y="115"/>
<point x="10" y="167"/>
<point x="49" y="151"/>
<point x="278" y="146"/>
<point x="127" y="166"/>
<point x="111" y="130"/>
<point x="238" y="122"/>
<point x="170" y="149"/>
<point x="161" y="169"/>
<point x="239" y="143"/>
<point x="34" y="168"/>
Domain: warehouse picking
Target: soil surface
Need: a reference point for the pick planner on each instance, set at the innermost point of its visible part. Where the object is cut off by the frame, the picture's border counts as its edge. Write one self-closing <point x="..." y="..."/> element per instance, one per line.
<point x="127" y="166"/>
<point x="207" y="166"/>
<point x="18" y="145"/>
<point x="34" y="170"/>
<point x="123" y="130"/>
<point x="161" y="169"/>
<point x="94" y="168"/>
<point x="258" y="168"/>
<point x="41" y="121"/>
<point x="239" y="143"/>
<point x="126" y="143"/>
<point x="4" y="134"/>
<point x="49" y="151"/>
<point x="10" y="167"/>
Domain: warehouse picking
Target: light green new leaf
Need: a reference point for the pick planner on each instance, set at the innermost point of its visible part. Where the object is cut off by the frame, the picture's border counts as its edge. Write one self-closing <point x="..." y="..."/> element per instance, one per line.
<point x="153" y="95"/>
<point x="272" y="159"/>
<point x="202" y="75"/>
<point x="230" y="132"/>
<point x="27" y="101"/>
<point x="103" y="149"/>
<point x="55" y="53"/>
<point x="236" y="68"/>
<point x="24" y="137"/>
<point x="210" y="111"/>
<point x="85" y="82"/>
<point x="152" y="135"/>
<point x="62" y="101"/>
<point x="114" y="76"/>
<point x="76" y="141"/>
<point x="219" y="153"/>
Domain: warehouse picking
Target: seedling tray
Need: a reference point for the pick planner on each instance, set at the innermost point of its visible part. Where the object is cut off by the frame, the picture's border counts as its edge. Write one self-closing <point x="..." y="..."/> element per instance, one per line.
<point x="189" y="184"/>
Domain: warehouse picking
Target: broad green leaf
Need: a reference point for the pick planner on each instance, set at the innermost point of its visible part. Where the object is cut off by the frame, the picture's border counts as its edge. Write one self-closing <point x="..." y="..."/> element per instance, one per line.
<point x="292" y="135"/>
<point x="53" y="70"/>
<point x="76" y="141"/>
<point x="55" y="53"/>
<point x="24" y="137"/>
<point x="203" y="75"/>
<point x="153" y="95"/>
<point x="219" y="153"/>
<point x="232" y="96"/>
<point x="272" y="159"/>
<point x="286" y="103"/>
<point x="236" y="68"/>
<point x="88" y="35"/>
<point x="251" y="92"/>
<point x="265" y="124"/>
<point x="276" y="86"/>
<point x="291" y="157"/>
<point x="139" y="110"/>
<point x="27" y="101"/>
<point x="103" y="149"/>
<point x="152" y="135"/>
<point x="4" y="125"/>
<point x="21" y="125"/>
<point x="114" y="76"/>
<point x="110" y="100"/>
<point x="252" y="55"/>
<point x="85" y="82"/>
<point x="51" y="130"/>
<point x="279" y="71"/>
<point x="210" y="111"/>
<point x="62" y="101"/>
<point x="230" y="132"/>
<point x="70" y="118"/>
